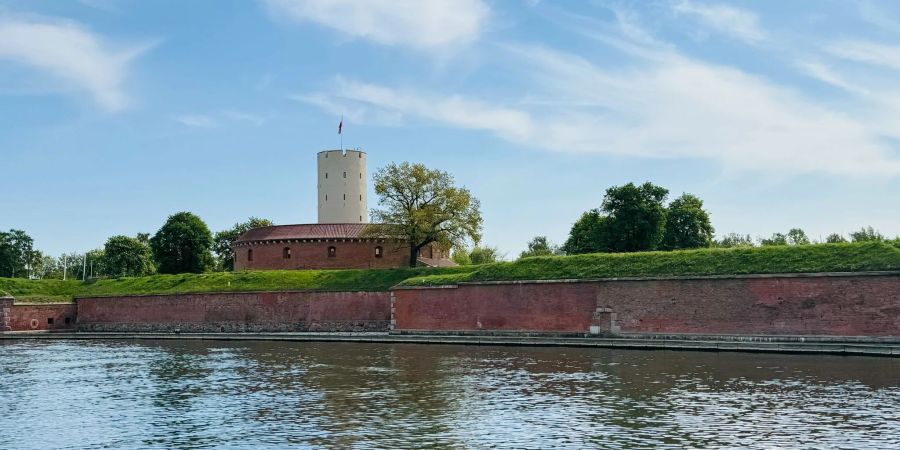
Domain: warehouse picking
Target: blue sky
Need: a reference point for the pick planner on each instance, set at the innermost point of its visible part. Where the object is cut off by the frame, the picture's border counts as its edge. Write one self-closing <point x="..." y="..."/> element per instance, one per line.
<point x="115" y="114"/>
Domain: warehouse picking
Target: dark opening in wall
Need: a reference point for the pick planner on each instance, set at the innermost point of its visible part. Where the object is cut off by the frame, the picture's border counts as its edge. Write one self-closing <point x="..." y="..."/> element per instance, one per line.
<point x="332" y="252"/>
<point x="68" y="320"/>
<point x="379" y="252"/>
<point x="49" y="321"/>
<point x="250" y="254"/>
<point x="345" y="174"/>
<point x="286" y="253"/>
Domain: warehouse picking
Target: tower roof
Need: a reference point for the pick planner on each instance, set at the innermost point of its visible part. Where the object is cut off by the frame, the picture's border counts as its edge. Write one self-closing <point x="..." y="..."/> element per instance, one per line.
<point x="305" y="231"/>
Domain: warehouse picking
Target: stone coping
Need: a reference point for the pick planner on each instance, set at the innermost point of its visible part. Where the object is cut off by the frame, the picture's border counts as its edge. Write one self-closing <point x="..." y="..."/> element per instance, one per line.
<point x="663" y="278"/>
<point x="172" y="294"/>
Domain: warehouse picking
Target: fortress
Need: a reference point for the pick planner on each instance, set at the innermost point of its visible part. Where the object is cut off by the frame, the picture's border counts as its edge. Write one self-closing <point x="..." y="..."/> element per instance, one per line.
<point x="338" y="240"/>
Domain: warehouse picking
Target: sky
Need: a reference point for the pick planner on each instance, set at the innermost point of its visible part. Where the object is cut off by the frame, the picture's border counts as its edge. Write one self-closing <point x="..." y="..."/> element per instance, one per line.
<point x="115" y="114"/>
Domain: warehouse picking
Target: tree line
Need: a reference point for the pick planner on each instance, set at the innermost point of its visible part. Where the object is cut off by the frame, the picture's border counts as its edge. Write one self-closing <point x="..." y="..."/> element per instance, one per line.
<point x="184" y="244"/>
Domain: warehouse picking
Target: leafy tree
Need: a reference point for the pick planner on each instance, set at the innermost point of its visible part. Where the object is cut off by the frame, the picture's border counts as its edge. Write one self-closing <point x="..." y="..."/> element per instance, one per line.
<point x="637" y="217"/>
<point x="776" y="239"/>
<point x="589" y="234"/>
<point x="687" y="224"/>
<point x="461" y="256"/>
<point x="835" y="238"/>
<point x="182" y="245"/>
<point x="734" y="240"/>
<point x="796" y="236"/>
<point x="16" y="253"/>
<point x="866" y="234"/>
<point x="540" y="246"/>
<point x="224" y="240"/>
<point x="127" y="256"/>
<point x="485" y="255"/>
<point x="422" y="206"/>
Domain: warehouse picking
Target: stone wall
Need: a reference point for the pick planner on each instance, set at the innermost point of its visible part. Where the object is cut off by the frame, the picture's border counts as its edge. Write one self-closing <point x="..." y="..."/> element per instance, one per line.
<point x="42" y="317"/>
<point x="6" y="304"/>
<point x="811" y="304"/>
<point x="349" y="254"/>
<point x="238" y="312"/>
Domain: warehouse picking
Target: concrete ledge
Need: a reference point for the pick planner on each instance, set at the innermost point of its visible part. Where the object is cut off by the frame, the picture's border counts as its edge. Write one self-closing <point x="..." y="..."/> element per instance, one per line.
<point x="831" y="348"/>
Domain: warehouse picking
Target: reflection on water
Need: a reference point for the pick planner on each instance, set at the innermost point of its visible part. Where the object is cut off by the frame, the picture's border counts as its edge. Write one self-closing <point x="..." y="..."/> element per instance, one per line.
<point x="195" y="394"/>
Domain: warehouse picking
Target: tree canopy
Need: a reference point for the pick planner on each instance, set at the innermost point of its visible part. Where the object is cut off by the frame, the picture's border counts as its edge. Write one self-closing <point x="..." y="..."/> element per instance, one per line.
<point x="182" y="245"/>
<point x="637" y="217"/>
<point x="540" y="246"/>
<point x="125" y="256"/>
<point x="223" y="241"/>
<point x="16" y="253"/>
<point x="687" y="224"/>
<point x="422" y="206"/>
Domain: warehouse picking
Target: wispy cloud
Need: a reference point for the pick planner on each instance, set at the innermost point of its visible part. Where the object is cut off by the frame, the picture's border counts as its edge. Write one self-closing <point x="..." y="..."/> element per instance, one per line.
<point x="729" y="20"/>
<point x="197" y="121"/>
<point x="867" y="52"/>
<point x="70" y="52"/>
<point x="217" y="119"/>
<point x="413" y="23"/>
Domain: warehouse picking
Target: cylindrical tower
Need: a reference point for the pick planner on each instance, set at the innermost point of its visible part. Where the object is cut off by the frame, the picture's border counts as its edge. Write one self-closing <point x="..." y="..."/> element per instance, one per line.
<point x="342" y="187"/>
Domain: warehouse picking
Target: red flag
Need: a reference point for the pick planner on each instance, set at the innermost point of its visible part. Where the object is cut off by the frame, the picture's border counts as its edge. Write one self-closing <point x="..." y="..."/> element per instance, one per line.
<point x="341" y="126"/>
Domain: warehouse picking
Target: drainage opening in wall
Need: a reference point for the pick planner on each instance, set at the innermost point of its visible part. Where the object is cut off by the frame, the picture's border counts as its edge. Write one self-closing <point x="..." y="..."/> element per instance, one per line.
<point x="49" y="321"/>
<point x="68" y="320"/>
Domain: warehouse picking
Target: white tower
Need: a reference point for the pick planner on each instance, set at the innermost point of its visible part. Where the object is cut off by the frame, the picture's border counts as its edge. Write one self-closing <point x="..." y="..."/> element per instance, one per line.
<point x="342" y="187"/>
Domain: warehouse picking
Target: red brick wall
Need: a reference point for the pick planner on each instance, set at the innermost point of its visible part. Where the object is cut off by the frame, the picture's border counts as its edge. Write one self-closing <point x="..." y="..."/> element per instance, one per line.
<point x="6" y="304"/>
<point x="40" y="317"/>
<point x="857" y="305"/>
<point x="314" y="255"/>
<point x="246" y="311"/>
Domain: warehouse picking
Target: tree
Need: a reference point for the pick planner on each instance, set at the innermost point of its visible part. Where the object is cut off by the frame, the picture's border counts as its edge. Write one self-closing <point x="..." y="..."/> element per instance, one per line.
<point x="687" y="224"/>
<point x="796" y="236"/>
<point x="835" y="238"/>
<point x="224" y="240"/>
<point x="126" y="256"/>
<point x="776" y="239"/>
<point x="734" y="240"/>
<point x="485" y="255"/>
<point x="637" y="217"/>
<point x="182" y="245"/>
<point x="422" y="206"/>
<point x="16" y="253"/>
<point x="866" y="234"/>
<point x="461" y="256"/>
<point x="540" y="246"/>
<point x="589" y="234"/>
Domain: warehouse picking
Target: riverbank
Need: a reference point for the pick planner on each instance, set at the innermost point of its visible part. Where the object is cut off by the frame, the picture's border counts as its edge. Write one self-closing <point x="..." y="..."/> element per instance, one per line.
<point x="832" y="345"/>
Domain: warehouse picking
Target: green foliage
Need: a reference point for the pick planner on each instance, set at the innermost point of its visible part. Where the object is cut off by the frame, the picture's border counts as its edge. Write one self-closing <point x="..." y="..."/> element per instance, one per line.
<point x="376" y="280"/>
<point x="589" y="234"/>
<point x="687" y="224"/>
<point x="484" y="255"/>
<point x="540" y="246"/>
<point x="224" y="240"/>
<point x="16" y="253"/>
<point x="423" y="207"/>
<point x="734" y="240"/>
<point x="835" y="238"/>
<point x="711" y="261"/>
<point x="796" y="236"/>
<point x="461" y="256"/>
<point x="776" y="239"/>
<point x="182" y="245"/>
<point x="127" y="257"/>
<point x="637" y="217"/>
<point x="867" y="234"/>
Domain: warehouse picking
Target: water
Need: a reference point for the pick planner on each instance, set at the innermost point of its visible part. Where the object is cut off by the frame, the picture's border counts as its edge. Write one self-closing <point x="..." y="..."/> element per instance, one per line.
<point x="195" y="394"/>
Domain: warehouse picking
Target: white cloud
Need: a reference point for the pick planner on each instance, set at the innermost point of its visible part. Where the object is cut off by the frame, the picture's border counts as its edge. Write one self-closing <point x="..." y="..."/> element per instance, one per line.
<point x="414" y="23"/>
<point x="826" y="74"/>
<point x="70" y="53"/>
<point x="197" y="121"/>
<point x="867" y="52"/>
<point x="215" y="120"/>
<point x="735" y="22"/>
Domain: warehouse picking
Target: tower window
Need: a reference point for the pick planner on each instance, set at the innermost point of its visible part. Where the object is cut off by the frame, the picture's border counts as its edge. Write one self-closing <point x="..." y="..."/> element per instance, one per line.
<point x="286" y="253"/>
<point x="360" y="175"/>
<point x="326" y="175"/>
<point x="345" y="174"/>
<point x="379" y="252"/>
<point x="326" y="197"/>
<point x="332" y="252"/>
<point x="345" y="196"/>
<point x="250" y="254"/>
<point x="360" y="197"/>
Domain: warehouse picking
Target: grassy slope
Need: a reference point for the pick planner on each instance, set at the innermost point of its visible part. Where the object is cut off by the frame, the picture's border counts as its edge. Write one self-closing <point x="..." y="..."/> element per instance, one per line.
<point x="810" y="258"/>
<point x="320" y="280"/>
<point x="807" y="258"/>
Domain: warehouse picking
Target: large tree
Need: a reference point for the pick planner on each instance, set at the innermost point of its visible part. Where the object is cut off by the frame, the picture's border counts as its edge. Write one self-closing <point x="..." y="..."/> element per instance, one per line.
<point x="687" y="224"/>
<point x="126" y="256"/>
<point x="422" y="206"/>
<point x="589" y="234"/>
<point x="637" y="217"/>
<point x="223" y="242"/>
<point x="16" y="253"/>
<point x="182" y="245"/>
<point x="540" y="246"/>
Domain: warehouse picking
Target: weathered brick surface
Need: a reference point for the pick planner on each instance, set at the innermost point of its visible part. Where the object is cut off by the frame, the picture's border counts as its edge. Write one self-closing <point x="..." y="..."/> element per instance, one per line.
<point x="237" y="312"/>
<point x="778" y="305"/>
<point x="314" y="255"/>
<point x="33" y="317"/>
<point x="6" y="304"/>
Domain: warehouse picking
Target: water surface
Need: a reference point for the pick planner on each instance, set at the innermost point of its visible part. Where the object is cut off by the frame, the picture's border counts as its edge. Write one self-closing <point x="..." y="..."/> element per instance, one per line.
<point x="207" y="394"/>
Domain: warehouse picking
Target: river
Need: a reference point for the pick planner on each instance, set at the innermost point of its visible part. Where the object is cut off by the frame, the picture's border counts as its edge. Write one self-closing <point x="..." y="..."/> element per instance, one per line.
<point x="209" y="394"/>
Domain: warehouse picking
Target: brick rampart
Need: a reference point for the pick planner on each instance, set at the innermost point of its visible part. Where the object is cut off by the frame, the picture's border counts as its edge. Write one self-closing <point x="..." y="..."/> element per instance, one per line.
<point x="348" y="254"/>
<point x="42" y="317"/>
<point x="6" y="304"/>
<point x="237" y="312"/>
<point x="815" y="304"/>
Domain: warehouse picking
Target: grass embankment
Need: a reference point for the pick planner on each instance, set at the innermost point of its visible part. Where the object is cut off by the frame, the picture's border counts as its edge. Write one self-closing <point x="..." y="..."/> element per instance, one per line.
<point x="276" y="280"/>
<point x="762" y="260"/>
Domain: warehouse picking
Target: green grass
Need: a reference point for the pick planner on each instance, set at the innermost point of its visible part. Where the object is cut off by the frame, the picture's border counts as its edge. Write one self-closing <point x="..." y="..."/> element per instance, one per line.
<point x="806" y="258"/>
<point x="276" y="280"/>
<point x="761" y="260"/>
